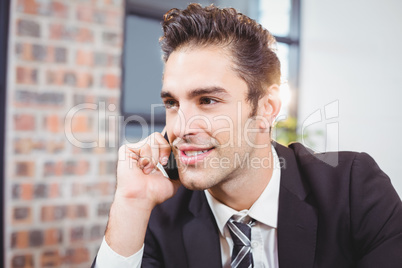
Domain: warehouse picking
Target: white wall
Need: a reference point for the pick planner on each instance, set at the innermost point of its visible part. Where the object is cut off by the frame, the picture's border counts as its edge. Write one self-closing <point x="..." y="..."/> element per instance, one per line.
<point x="351" y="53"/>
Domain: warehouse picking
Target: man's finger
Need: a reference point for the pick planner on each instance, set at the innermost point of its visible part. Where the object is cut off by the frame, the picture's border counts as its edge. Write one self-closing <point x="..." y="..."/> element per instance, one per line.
<point x="163" y="148"/>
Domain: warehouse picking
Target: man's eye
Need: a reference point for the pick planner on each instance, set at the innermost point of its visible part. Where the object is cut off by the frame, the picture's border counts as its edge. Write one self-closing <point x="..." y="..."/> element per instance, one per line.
<point x="207" y="101"/>
<point x="169" y="104"/>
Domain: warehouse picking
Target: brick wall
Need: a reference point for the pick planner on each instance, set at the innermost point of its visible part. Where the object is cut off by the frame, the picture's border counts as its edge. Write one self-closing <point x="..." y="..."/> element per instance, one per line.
<point x="61" y="140"/>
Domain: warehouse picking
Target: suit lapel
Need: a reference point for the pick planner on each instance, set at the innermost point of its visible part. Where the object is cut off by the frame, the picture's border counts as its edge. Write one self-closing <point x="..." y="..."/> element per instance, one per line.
<point x="200" y="234"/>
<point x="297" y="218"/>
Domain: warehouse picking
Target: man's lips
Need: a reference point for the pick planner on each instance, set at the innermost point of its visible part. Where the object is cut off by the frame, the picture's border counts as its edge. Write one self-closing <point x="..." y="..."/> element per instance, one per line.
<point x="189" y="155"/>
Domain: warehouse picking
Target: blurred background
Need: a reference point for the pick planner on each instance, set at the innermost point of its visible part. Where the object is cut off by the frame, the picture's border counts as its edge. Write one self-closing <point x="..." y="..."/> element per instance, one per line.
<point x="80" y="77"/>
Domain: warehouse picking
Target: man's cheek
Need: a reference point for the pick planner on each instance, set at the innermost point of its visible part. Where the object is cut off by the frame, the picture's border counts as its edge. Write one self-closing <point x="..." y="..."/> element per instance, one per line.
<point x="225" y="132"/>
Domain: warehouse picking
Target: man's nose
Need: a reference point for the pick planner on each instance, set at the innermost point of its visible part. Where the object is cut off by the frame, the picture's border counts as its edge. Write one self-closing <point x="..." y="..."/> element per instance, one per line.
<point x="189" y="121"/>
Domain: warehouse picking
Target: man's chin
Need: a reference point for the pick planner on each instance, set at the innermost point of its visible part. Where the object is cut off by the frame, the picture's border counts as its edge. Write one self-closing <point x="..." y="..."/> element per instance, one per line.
<point x="194" y="184"/>
<point x="194" y="187"/>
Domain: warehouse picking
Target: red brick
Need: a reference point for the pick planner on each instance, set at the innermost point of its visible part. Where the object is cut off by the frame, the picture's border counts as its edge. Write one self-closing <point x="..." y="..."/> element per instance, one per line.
<point x="58" y="9"/>
<point x="103" y="188"/>
<point x="51" y="258"/>
<point x="20" y="239"/>
<point x="36" y="238"/>
<point x="26" y="191"/>
<point x="24" y="122"/>
<point x="22" y="215"/>
<point x="78" y="189"/>
<point x="51" y="54"/>
<point x="47" y="213"/>
<point x="84" y="80"/>
<point x="28" y="6"/>
<point x="41" y="53"/>
<point x="103" y="209"/>
<point x="30" y="52"/>
<point x="28" y="98"/>
<point x="77" y="211"/>
<point x="97" y="232"/>
<point x="85" y="13"/>
<point x="84" y="35"/>
<point x="54" y="190"/>
<point x="52" y="123"/>
<point x="70" y="33"/>
<point x="53" y="169"/>
<point x="81" y="168"/>
<point x="106" y="188"/>
<point x="112" y="38"/>
<point x="55" y="77"/>
<point x="113" y="18"/>
<point x="67" y="78"/>
<point x="25" y="168"/>
<point x="53" y="146"/>
<point x="23" y="146"/>
<point x="48" y="8"/>
<point x="80" y="124"/>
<point x="28" y="145"/>
<point x="53" y="237"/>
<point x="107" y="167"/>
<point x="57" y="31"/>
<point x="103" y="59"/>
<point x="22" y="261"/>
<point x="56" y="54"/>
<point x="111" y="81"/>
<point x="87" y="98"/>
<point x="26" y="75"/>
<point x="40" y="191"/>
<point x="28" y="28"/>
<point x="77" y="234"/>
<point x="59" y="169"/>
<point x="27" y="52"/>
<point x="76" y="256"/>
<point x="61" y="77"/>
<point x="53" y="213"/>
<point x="84" y="58"/>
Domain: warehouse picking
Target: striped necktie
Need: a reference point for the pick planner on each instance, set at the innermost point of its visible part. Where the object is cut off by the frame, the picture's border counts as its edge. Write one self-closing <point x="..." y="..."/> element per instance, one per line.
<point x="241" y="236"/>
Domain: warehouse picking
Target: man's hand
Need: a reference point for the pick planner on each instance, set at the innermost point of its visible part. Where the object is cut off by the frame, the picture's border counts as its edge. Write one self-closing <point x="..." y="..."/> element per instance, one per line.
<point x="140" y="186"/>
<point x="138" y="178"/>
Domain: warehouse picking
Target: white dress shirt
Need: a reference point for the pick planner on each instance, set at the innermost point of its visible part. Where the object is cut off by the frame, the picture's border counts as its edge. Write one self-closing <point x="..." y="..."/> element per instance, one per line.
<point x="263" y="233"/>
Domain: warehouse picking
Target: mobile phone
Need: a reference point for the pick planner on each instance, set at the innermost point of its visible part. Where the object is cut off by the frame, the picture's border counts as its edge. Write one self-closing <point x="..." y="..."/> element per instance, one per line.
<point x="171" y="166"/>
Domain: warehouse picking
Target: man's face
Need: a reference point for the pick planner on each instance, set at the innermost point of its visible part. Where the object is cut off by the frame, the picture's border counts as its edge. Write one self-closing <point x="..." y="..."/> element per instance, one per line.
<point x="206" y="117"/>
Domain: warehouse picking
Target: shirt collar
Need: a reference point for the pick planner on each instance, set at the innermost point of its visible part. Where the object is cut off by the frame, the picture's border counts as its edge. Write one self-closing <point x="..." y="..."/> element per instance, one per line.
<point x="265" y="208"/>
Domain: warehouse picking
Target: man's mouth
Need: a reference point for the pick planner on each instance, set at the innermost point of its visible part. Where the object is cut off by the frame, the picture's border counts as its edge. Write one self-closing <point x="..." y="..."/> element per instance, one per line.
<point x="194" y="153"/>
<point x="192" y="156"/>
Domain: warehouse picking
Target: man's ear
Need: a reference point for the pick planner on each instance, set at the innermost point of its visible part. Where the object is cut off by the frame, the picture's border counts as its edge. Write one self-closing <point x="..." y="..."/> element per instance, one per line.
<point x="269" y="107"/>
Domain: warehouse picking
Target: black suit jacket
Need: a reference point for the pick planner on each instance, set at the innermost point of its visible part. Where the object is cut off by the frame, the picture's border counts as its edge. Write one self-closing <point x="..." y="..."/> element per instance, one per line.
<point x="347" y="215"/>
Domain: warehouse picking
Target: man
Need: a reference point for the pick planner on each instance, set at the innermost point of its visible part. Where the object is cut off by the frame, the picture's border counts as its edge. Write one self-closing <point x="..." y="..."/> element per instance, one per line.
<point x="242" y="200"/>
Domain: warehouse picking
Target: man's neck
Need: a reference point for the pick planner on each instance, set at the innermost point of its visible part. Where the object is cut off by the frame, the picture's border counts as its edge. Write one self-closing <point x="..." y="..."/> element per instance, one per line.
<point x="241" y="192"/>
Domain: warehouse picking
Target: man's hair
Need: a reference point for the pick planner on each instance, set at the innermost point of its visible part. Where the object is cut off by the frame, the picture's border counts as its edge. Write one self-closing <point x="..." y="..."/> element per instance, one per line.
<point x="250" y="45"/>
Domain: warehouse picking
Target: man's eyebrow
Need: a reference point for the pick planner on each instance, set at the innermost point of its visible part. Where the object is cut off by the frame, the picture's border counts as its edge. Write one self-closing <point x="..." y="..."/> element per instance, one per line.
<point x="197" y="92"/>
<point x="166" y="94"/>
<point x="205" y="91"/>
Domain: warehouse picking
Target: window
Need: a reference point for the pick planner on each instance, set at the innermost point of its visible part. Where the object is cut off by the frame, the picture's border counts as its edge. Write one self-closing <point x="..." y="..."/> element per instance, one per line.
<point x="281" y="18"/>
